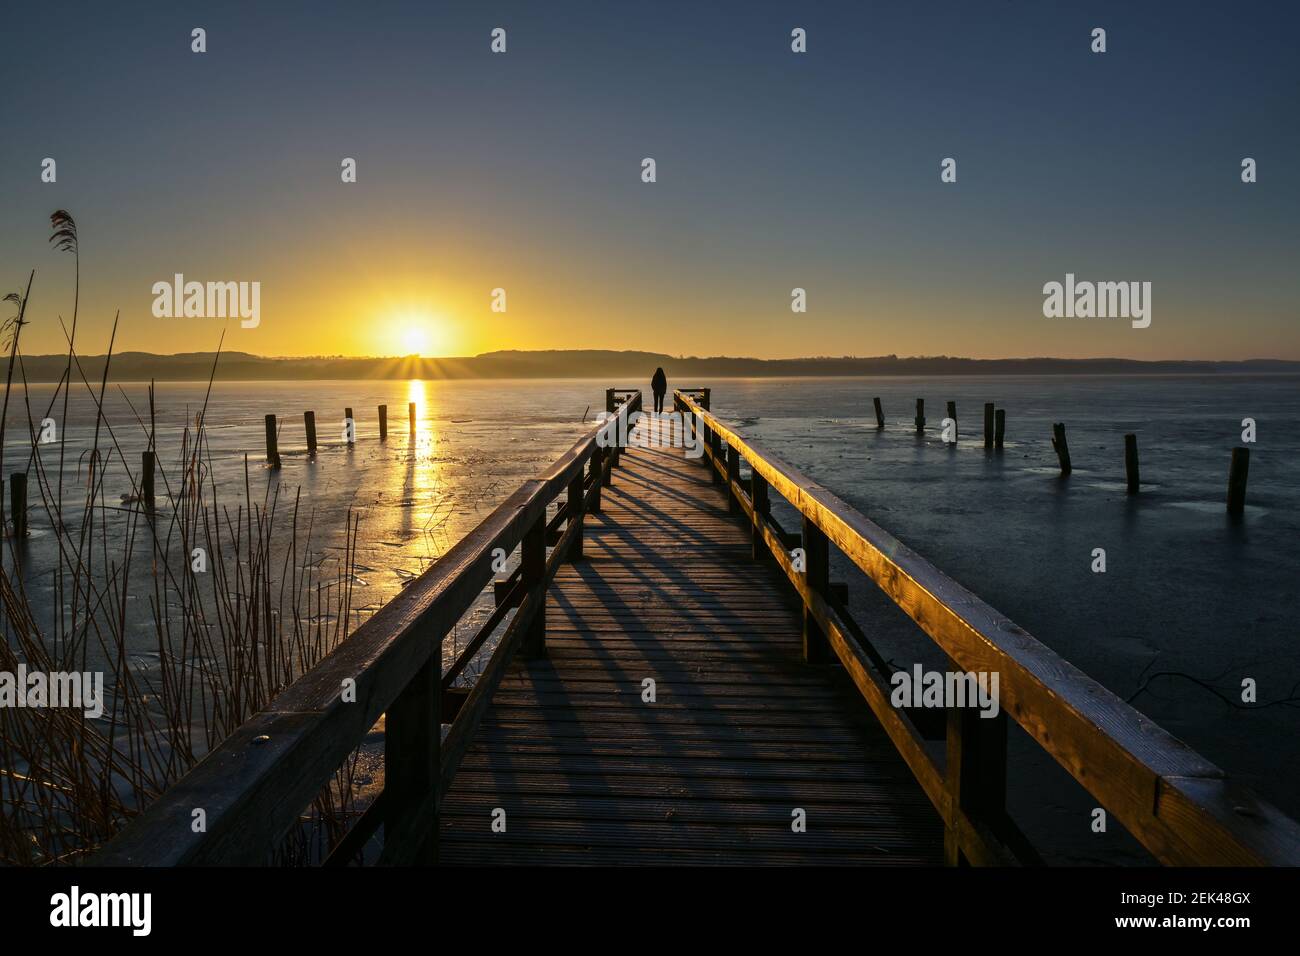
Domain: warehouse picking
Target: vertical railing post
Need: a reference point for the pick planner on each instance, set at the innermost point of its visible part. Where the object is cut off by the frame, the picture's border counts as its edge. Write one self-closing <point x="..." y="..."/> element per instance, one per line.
<point x="383" y="422"/>
<point x="817" y="575"/>
<point x="733" y="478"/>
<point x="597" y="471"/>
<point x="611" y="452"/>
<point x="350" y="426"/>
<point x="413" y="751"/>
<point x="575" y="515"/>
<point x="532" y="573"/>
<point x="976" y="772"/>
<point x="410" y="414"/>
<point x="762" y="509"/>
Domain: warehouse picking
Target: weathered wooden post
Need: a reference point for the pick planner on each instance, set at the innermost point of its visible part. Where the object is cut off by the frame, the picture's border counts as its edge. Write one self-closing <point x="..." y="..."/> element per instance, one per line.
<point x="1237" y="473"/>
<point x="597" y="470"/>
<point x="272" y="450"/>
<point x="413" y="753"/>
<point x="920" y="415"/>
<point x="350" y="426"/>
<point x="999" y="427"/>
<point x="1131" y="463"/>
<point x="817" y="575"/>
<point x="988" y="424"/>
<point x="704" y="398"/>
<point x="18" y="503"/>
<point x="880" y="413"/>
<point x="976" y="770"/>
<point x="410" y="414"/>
<point x="575" y="514"/>
<point x="952" y="413"/>
<point x="309" y="422"/>
<point x="146" y="477"/>
<point x="762" y="509"/>
<point x="383" y="422"/>
<point x="532" y="569"/>
<point x="1062" y="448"/>
<point x="733" y="478"/>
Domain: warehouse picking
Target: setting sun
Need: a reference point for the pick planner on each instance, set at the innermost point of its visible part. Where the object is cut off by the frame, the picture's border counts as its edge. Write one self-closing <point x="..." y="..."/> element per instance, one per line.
<point x="422" y="333"/>
<point x="415" y="340"/>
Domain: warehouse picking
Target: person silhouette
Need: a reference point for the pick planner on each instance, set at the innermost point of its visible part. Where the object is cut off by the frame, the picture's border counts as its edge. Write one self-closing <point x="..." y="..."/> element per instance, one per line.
<point x="659" y="385"/>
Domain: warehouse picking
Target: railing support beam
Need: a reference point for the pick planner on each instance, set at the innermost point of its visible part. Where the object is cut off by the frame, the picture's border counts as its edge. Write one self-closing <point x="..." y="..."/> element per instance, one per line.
<point x="412" y="752"/>
<point x="817" y="571"/>
<point x="976" y="773"/>
<point x="762" y="509"/>
<point x="733" y="479"/>
<point x="576" y="515"/>
<point x="532" y="565"/>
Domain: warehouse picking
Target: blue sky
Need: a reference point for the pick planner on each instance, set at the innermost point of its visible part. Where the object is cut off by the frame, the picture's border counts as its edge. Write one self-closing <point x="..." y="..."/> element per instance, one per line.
<point x="775" y="170"/>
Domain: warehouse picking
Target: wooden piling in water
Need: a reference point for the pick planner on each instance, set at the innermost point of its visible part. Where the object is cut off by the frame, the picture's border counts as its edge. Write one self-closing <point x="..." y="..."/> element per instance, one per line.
<point x="999" y="427"/>
<point x="880" y="413"/>
<point x="383" y="422"/>
<point x="988" y="424"/>
<point x="272" y="448"/>
<point x="920" y="415"/>
<point x="952" y="413"/>
<point x="18" y="503"/>
<point x="1237" y="473"/>
<point x="351" y="431"/>
<point x="146" y="477"/>
<point x="1062" y="448"/>
<point x="410" y="413"/>
<point x="1131" y="463"/>
<point x="309" y="422"/>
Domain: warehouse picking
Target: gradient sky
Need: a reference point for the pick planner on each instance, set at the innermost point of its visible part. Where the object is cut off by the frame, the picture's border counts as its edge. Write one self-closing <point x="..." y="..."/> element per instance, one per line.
<point x="775" y="170"/>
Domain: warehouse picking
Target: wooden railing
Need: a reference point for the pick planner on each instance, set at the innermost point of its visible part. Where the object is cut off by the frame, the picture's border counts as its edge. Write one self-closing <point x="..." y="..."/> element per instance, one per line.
<point x="1180" y="806"/>
<point x="254" y="787"/>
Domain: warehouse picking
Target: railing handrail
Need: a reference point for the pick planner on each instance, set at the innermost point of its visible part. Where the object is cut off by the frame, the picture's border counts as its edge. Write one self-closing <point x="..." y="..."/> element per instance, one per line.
<point x="253" y="787"/>
<point x="1179" y="805"/>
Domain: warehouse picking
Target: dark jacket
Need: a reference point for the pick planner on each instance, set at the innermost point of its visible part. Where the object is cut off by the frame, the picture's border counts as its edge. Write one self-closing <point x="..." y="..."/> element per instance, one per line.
<point x="659" y="383"/>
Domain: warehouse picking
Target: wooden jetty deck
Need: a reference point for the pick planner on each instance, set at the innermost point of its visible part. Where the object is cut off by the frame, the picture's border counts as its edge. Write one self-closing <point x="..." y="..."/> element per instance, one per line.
<point x="640" y="564"/>
<point x="741" y="733"/>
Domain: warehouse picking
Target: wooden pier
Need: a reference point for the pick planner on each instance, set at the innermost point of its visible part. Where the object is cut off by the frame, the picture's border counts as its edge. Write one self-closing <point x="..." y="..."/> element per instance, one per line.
<point x="676" y="680"/>
<point x="741" y="733"/>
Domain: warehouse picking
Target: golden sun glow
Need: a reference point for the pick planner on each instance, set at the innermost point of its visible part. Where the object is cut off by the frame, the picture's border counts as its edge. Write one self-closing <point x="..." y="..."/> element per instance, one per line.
<point x="416" y="330"/>
<point x="414" y="339"/>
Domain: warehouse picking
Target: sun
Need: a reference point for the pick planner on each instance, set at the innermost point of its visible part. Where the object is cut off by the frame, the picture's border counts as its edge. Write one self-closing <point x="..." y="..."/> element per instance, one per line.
<point x="414" y="339"/>
<point x="419" y="332"/>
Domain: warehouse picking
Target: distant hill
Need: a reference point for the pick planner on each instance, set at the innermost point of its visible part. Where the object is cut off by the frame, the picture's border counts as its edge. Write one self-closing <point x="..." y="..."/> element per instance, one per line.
<point x="610" y="366"/>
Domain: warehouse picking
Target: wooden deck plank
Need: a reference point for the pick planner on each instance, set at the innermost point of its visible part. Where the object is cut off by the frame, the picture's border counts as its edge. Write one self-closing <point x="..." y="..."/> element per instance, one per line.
<point x="741" y="733"/>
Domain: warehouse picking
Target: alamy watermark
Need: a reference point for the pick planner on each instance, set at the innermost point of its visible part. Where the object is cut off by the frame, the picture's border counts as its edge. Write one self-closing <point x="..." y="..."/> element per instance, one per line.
<point x="1099" y="300"/>
<point x="79" y="690"/>
<point x="922" y="688"/>
<point x="75" y="908"/>
<point x="210" y="300"/>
